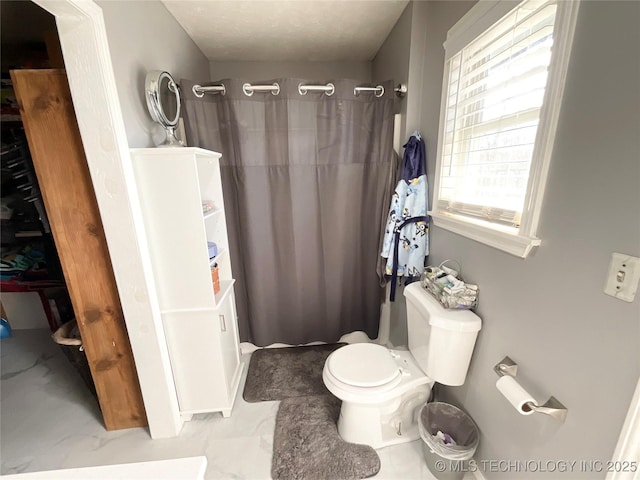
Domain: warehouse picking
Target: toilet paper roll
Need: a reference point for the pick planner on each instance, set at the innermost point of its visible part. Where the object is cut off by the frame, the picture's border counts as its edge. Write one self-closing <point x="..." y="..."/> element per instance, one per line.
<point x="517" y="396"/>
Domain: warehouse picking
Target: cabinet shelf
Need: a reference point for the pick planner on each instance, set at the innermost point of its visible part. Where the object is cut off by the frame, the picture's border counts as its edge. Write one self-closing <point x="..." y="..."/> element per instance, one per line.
<point x="214" y="260"/>
<point x="212" y="213"/>
<point x="225" y="289"/>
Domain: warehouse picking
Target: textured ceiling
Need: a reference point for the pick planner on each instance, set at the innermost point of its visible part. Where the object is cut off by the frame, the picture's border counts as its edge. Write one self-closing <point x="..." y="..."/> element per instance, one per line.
<point x="291" y="30"/>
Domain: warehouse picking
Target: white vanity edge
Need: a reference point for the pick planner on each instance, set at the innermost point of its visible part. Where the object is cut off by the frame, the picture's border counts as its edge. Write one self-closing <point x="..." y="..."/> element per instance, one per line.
<point x="190" y="468"/>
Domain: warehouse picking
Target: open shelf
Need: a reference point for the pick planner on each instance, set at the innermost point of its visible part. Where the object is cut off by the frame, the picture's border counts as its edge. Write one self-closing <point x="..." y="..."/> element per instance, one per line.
<point x="225" y="289"/>
<point x="214" y="260"/>
<point x="212" y="213"/>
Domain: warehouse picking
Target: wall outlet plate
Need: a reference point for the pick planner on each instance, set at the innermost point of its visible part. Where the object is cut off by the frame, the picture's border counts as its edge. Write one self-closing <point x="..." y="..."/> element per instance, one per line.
<point x="623" y="277"/>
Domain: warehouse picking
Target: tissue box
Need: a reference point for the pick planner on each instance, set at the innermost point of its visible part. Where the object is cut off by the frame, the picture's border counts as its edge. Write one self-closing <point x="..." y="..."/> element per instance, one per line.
<point x="213" y="249"/>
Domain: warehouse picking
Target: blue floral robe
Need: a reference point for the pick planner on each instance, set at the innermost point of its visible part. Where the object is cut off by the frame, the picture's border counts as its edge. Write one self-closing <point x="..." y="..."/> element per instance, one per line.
<point x="409" y="200"/>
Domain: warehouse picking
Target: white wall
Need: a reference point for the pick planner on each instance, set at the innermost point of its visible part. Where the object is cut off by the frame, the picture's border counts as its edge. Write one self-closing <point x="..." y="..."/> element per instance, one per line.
<point x="144" y="36"/>
<point x="549" y="312"/>
<point x="405" y="58"/>
<point x="319" y="71"/>
<point x="392" y="61"/>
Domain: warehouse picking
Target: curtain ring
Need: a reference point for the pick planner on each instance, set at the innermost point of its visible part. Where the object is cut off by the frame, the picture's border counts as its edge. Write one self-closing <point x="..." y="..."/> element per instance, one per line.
<point x="246" y="89"/>
<point x="300" y="90"/>
<point x="195" y="91"/>
<point x="380" y="89"/>
<point x="200" y="94"/>
<point x="332" y="91"/>
<point x="277" y="90"/>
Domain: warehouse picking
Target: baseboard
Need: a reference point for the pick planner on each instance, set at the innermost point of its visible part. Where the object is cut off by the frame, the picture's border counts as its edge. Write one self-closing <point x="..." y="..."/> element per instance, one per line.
<point x="353" y="337"/>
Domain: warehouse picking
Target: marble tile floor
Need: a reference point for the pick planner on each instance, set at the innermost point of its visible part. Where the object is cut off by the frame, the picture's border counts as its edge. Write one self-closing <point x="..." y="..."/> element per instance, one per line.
<point x="49" y="420"/>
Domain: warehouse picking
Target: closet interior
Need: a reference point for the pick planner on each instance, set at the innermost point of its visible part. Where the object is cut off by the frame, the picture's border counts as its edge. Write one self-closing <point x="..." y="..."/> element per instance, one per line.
<point x="33" y="290"/>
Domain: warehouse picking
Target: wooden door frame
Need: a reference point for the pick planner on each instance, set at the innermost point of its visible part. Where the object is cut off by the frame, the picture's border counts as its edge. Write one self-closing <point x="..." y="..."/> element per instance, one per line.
<point x="85" y="49"/>
<point x="63" y="177"/>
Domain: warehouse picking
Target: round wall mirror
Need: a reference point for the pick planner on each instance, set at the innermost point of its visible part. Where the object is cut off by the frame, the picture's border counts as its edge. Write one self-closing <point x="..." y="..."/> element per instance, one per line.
<point x="163" y="102"/>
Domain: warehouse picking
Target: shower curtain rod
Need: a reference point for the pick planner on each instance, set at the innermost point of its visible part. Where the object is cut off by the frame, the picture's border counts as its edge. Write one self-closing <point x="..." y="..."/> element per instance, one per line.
<point x="274" y="88"/>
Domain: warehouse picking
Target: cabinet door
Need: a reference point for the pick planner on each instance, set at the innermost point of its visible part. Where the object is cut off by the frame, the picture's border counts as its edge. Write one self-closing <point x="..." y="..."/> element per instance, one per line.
<point x="194" y="351"/>
<point x="229" y="342"/>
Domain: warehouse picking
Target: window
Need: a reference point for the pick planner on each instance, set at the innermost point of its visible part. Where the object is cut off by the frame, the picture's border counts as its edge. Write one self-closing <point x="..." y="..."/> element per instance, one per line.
<point x="503" y="80"/>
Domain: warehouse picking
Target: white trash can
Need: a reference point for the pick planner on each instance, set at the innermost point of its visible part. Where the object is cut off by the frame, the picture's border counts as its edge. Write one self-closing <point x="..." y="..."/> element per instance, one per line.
<point x="447" y="460"/>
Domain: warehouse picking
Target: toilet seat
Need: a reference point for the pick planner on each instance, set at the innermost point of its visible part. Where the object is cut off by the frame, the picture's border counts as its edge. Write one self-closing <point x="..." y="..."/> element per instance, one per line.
<point x="365" y="367"/>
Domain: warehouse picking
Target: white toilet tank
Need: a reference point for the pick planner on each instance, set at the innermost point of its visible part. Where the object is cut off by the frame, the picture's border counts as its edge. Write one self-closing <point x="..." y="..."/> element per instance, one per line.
<point x="440" y="340"/>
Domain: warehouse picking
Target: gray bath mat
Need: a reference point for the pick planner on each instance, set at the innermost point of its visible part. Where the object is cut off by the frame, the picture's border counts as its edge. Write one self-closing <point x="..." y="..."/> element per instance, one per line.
<point x="306" y="444"/>
<point x="279" y="373"/>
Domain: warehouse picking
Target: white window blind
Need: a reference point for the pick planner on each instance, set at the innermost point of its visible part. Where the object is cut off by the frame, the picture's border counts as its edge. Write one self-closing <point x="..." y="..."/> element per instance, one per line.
<point x="495" y="91"/>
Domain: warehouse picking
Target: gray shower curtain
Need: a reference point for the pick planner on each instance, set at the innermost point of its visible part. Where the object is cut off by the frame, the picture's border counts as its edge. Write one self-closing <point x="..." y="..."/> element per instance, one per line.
<point x="307" y="181"/>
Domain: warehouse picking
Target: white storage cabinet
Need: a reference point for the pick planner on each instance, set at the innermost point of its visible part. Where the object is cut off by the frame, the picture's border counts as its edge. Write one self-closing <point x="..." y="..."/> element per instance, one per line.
<point x="201" y="327"/>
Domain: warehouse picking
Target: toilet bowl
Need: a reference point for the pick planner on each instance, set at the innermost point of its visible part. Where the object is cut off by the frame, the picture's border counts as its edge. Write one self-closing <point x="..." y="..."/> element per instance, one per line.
<point x="382" y="390"/>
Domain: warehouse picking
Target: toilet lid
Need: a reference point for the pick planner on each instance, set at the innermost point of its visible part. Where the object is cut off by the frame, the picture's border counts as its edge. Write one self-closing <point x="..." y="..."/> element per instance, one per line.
<point x="363" y="365"/>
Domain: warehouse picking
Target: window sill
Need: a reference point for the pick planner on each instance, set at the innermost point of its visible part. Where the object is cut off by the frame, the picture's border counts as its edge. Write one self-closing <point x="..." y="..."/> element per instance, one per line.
<point x="503" y="238"/>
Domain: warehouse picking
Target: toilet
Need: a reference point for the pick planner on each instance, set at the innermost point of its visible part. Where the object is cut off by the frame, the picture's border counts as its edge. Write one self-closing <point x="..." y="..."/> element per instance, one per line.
<point x="382" y="389"/>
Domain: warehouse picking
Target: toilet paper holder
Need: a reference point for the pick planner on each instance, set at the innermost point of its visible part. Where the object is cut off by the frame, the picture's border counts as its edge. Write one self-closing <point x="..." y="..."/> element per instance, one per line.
<point x="551" y="407"/>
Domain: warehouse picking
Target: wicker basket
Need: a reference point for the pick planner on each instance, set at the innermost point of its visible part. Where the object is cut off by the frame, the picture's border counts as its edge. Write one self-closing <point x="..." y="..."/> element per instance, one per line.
<point x="434" y="279"/>
<point x="74" y="351"/>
